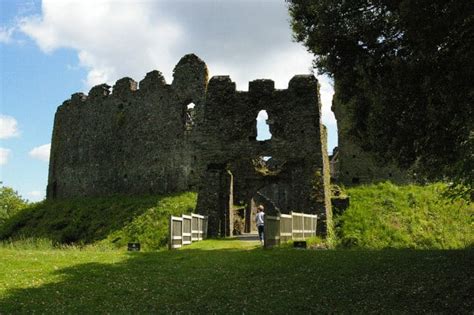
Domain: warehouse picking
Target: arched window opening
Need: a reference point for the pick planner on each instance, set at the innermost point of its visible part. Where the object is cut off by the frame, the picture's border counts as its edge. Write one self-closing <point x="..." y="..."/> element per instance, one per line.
<point x="263" y="128"/>
<point x="189" y="116"/>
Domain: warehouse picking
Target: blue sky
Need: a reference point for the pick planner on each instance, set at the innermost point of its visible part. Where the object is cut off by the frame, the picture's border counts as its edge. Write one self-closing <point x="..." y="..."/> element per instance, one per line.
<point x="50" y="49"/>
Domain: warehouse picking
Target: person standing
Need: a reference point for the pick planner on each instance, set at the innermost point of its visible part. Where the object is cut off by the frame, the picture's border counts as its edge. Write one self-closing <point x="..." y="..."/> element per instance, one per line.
<point x="260" y="221"/>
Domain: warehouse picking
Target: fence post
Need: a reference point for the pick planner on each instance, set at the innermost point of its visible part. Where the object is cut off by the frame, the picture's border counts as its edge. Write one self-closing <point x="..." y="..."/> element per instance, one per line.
<point x="292" y="229"/>
<point x="315" y="224"/>
<point x="303" y="221"/>
<point x="205" y="221"/>
<point x="170" y="231"/>
<point x="265" y="233"/>
<point x="200" y="229"/>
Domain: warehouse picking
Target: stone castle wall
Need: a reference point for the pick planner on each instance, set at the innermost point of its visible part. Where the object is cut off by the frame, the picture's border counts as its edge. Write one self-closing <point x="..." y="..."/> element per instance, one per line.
<point x="132" y="141"/>
<point x="145" y="141"/>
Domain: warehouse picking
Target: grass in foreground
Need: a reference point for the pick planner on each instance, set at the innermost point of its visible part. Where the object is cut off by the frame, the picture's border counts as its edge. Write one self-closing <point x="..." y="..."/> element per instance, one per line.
<point x="228" y="276"/>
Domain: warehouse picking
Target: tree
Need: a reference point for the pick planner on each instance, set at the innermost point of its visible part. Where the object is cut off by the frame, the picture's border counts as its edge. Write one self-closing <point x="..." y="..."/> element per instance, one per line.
<point x="404" y="71"/>
<point x="10" y="203"/>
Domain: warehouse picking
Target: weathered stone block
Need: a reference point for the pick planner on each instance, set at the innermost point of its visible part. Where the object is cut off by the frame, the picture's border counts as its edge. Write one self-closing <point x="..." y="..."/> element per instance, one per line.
<point x="78" y="98"/>
<point x="99" y="91"/>
<point x="261" y="86"/>
<point x="153" y="81"/>
<point x="124" y="87"/>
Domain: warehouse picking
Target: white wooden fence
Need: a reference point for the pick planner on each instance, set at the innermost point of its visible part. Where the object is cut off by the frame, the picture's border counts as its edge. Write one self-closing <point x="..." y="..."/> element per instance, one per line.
<point x="285" y="227"/>
<point x="186" y="229"/>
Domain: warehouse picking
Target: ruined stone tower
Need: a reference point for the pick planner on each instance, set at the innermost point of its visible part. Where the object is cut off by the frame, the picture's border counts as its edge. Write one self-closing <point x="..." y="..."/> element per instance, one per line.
<point x="353" y="165"/>
<point x="195" y="134"/>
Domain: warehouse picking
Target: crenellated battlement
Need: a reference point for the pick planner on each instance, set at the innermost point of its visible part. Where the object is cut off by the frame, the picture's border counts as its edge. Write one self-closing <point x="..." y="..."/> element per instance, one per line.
<point x="125" y="87"/>
<point x="153" y="81"/>
<point x="190" y="78"/>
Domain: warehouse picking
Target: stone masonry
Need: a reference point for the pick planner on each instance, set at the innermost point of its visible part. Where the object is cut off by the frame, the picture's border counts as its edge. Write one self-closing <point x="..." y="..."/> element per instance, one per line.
<point x="353" y="165"/>
<point x="148" y="140"/>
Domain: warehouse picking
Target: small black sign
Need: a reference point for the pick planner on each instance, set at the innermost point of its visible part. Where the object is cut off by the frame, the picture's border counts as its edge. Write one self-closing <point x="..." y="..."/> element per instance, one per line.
<point x="299" y="244"/>
<point x="133" y="247"/>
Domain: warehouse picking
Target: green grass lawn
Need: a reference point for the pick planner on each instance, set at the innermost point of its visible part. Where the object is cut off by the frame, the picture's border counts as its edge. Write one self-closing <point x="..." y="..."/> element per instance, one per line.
<point x="229" y="276"/>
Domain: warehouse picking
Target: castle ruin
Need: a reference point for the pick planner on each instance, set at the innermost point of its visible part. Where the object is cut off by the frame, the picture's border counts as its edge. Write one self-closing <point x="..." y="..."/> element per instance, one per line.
<point x="195" y="134"/>
<point x="352" y="165"/>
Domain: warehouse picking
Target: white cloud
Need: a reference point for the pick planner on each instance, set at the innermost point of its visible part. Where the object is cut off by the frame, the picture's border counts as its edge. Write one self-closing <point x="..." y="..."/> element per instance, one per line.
<point x="35" y="195"/>
<point x="326" y="90"/>
<point x="4" y="154"/>
<point x="8" y="127"/>
<point x="112" y="38"/>
<point x="41" y="152"/>
<point x="6" y="34"/>
<point x="245" y="39"/>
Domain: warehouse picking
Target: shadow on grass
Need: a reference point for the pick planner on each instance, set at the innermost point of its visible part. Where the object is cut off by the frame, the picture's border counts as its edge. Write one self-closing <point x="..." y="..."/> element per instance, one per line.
<point x="251" y="281"/>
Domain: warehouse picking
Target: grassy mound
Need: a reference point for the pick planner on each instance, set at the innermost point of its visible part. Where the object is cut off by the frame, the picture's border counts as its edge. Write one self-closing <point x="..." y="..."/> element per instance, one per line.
<point x="111" y="220"/>
<point x="390" y="216"/>
<point x="379" y="216"/>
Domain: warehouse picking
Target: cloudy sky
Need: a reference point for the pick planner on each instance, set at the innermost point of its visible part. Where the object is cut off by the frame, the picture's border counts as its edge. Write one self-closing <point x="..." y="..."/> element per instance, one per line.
<point x="52" y="48"/>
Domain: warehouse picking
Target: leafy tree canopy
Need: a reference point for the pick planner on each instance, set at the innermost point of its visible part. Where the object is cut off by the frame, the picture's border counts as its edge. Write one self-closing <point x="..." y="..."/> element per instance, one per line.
<point x="10" y="203"/>
<point x="403" y="71"/>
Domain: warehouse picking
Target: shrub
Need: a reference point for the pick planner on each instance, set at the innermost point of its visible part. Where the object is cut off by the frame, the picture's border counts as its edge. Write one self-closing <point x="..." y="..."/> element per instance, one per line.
<point x="10" y="203"/>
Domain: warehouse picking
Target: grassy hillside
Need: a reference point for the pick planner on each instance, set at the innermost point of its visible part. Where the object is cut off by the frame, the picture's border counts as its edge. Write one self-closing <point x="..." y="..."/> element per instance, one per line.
<point x="380" y="216"/>
<point x="228" y="277"/>
<point x="390" y="216"/>
<point x="111" y="220"/>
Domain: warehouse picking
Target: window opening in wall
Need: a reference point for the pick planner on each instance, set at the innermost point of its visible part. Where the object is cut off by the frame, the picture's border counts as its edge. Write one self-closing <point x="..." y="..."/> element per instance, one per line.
<point x="263" y="128"/>
<point x="268" y="165"/>
<point x="189" y="116"/>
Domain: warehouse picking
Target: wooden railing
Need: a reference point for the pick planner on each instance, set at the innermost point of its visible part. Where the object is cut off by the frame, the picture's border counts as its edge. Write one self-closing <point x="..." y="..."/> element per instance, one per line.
<point x="186" y="229"/>
<point x="285" y="227"/>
